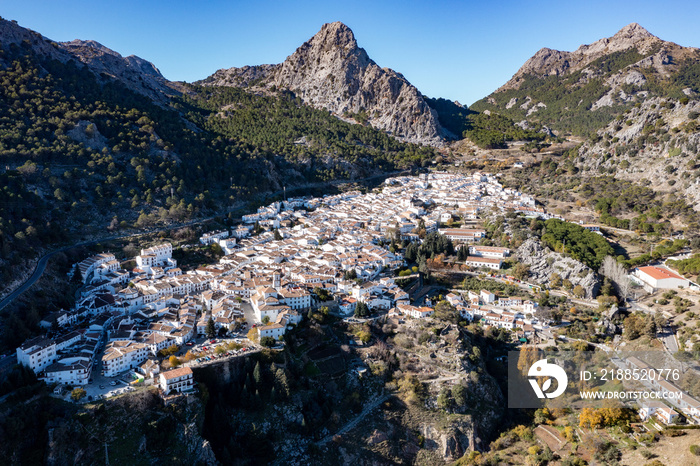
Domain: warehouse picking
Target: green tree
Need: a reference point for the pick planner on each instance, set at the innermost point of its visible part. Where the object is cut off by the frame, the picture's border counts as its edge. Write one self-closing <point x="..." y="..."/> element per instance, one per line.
<point x="521" y="271"/>
<point x="211" y="328"/>
<point x="361" y="309"/>
<point x="257" y="375"/>
<point x="447" y="312"/>
<point x="444" y="399"/>
<point x="77" y="394"/>
<point x="268" y="342"/>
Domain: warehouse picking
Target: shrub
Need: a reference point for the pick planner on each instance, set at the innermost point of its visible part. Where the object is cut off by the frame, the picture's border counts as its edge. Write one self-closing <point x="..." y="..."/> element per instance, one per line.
<point x="267" y="341"/>
<point x="78" y="393"/>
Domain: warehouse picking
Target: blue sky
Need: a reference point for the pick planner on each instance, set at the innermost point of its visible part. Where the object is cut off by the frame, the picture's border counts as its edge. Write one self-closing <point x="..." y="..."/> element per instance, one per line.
<point x="461" y="50"/>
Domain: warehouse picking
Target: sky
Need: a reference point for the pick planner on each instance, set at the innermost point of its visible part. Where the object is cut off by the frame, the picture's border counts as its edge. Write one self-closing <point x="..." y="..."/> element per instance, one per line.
<point x="459" y="50"/>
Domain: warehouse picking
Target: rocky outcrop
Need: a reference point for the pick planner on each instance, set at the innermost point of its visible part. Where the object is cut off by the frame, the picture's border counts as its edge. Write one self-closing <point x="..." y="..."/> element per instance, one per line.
<point x="549" y="62"/>
<point x="607" y="77"/>
<point x="197" y="448"/>
<point x="135" y="73"/>
<point x="330" y="71"/>
<point x="451" y="442"/>
<point x="654" y="143"/>
<point x="544" y="263"/>
<point x="87" y="133"/>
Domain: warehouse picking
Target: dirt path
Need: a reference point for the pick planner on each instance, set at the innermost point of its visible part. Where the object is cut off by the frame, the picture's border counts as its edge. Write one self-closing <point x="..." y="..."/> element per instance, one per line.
<point x="350" y="425"/>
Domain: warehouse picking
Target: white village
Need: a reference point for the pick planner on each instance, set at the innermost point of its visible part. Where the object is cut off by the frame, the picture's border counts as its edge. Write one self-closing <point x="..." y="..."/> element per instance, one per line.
<point x="275" y="265"/>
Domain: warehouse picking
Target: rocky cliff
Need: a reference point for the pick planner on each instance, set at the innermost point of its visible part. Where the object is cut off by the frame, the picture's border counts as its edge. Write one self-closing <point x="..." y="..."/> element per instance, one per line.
<point x="549" y="62"/>
<point x="330" y="71"/>
<point x="581" y="91"/>
<point x="134" y="72"/>
<point x="655" y="143"/>
<point x="544" y="263"/>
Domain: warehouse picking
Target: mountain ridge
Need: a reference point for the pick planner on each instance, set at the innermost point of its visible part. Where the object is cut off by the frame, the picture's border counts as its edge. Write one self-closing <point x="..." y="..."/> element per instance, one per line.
<point x="547" y="61"/>
<point x="330" y="71"/>
<point x="134" y="72"/>
<point x="581" y="91"/>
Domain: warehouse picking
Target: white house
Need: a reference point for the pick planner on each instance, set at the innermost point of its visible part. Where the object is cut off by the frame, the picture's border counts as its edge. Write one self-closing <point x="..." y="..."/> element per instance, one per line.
<point x="72" y="370"/>
<point x="491" y="252"/>
<point x="658" y="277"/>
<point x="273" y="330"/>
<point x="487" y="297"/>
<point x="123" y="355"/>
<point x="462" y="235"/>
<point x="156" y="256"/>
<point x="475" y="261"/>
<point x="654" y="407"/>
<point x="213" y="237"/>
<point x="177" y="380"/>
<point x="37" y="353"/>
<point x="347" y="306"/>
<point x="88" y="266"/>
<point x="415" y="312"/>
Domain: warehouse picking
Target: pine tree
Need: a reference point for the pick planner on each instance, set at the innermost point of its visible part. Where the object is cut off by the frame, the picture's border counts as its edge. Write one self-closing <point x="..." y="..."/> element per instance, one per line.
<point x="257" y="375"/>
<point x="282" y="382"/>
<point x="211" y="328"/>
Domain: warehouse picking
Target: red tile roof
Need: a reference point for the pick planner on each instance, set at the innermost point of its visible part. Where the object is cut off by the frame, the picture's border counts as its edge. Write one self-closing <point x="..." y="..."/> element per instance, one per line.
<point x="658" y="273"/>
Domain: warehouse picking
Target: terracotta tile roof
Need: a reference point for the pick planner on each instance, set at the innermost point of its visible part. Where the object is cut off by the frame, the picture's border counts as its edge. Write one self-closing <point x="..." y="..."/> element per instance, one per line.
<point x="177" y="373"/>
<point x="658" y="273"/>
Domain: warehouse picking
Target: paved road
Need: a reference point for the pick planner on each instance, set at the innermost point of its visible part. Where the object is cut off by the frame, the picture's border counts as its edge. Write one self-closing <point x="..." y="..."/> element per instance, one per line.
<point x="44" y="260"/>
<point x="668" y="338"/>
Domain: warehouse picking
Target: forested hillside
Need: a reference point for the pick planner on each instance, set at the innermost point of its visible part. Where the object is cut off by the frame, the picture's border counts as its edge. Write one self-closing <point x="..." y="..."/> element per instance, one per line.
<point x="486" y="130"/>
<point x="80" y="152"/>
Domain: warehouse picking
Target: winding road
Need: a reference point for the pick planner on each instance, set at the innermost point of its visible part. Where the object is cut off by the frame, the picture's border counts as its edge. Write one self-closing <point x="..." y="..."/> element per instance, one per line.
<point x="44" y="260"/>
<point x="38" y="271"/>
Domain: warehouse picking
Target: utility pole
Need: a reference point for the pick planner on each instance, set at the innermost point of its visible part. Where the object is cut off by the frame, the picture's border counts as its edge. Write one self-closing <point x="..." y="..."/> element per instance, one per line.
<point x="106" y="455"/>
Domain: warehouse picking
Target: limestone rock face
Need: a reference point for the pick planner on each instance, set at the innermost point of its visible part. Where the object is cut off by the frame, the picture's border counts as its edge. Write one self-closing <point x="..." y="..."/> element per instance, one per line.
<point x="451" y="442"/>
<point x="135" y="73"/>
<point x="544" y="262"/>
<point x="330" y="71"/>
<point x="549" y="62"/>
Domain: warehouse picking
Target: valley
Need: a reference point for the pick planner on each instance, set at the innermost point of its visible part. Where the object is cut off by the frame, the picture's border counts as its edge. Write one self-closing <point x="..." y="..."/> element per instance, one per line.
<point x="312" y="262"/>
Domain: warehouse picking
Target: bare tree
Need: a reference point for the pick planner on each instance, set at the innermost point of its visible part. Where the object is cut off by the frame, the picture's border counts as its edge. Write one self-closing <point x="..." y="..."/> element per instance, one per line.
<point x="617" y="273"/>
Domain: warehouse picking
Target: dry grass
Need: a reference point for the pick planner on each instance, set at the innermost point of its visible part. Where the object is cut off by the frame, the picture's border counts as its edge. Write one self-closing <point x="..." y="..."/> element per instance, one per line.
<point x="670" y="451"/>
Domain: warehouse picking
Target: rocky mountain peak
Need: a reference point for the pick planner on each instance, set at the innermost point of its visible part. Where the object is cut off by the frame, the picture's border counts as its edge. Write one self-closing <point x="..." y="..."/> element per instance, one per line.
<point x="90" y="44"/>
<point x="135" y="73"/>
<point x="334" y="34"/>
<point x="330" y="71"/>
<point x="633" y="32"/>
<point x="548" y="62"/>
